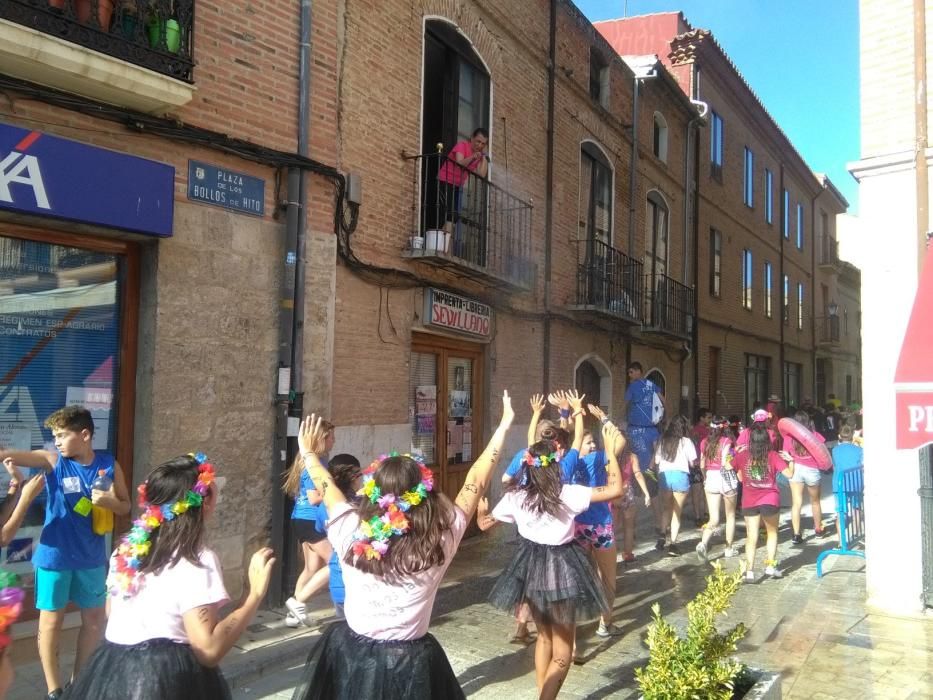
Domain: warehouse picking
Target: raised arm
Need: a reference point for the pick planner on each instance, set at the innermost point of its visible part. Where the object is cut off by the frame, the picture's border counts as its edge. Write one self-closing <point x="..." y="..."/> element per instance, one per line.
<point x="537" y="408"/>
<point x="311" y="444"/>
<point x="576" y="404"/>
<point x="614" y="443"/>
<point x="27" y="493"/>
<point x="477" y="479"/>
<point x="36" y="459"/>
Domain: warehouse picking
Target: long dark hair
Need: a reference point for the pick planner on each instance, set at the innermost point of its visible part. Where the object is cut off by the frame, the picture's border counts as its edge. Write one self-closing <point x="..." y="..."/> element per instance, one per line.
<point x="553" y="433"/>
<point x="759" y="445"/>
<point x="677" y="429"/>
<point x="345" y="469"/>
<point x="803" y="418"/>
<point x="181" y="537"/>
<point x="541" y="485"/>
<point x="422" y="547"/>
<point x="718" y="429"/>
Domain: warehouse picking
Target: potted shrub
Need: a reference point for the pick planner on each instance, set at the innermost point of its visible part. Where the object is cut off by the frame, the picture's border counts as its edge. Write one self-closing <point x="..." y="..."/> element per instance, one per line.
<point x="164" y="30"/>
<point x="700" y="663"/>
<point x="104" y="12"/>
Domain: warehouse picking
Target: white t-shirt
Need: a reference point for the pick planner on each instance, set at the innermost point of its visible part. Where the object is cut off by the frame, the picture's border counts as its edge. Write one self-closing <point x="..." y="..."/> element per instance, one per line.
<point x="686" y="455"/>
<point x="380" y="609"/>
<point x="542" y="528"/>
<point x="155" y="612"/>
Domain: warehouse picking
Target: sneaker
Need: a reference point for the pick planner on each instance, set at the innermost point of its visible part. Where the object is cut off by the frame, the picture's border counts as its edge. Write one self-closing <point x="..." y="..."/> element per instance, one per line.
<point x="659" y="545"/>
<point x="673" y="550"/>
<point x="729" y="551"/>
<point x="609" y="630"/>
<point x="749" y="576"/>
<point x="628" y="557"/>
<point x="291" y="620"/>
<point x="773" y="572"/>
<point x="298" y="611"/>
<point x="701" y="552"/>
<point x="796" y="540"/>
<point x="55" y="694"/>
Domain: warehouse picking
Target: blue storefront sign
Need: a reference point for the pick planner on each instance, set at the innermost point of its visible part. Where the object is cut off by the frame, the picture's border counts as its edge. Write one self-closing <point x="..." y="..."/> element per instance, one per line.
<point x="51" y="176"/>
<point x="226" y="188"/>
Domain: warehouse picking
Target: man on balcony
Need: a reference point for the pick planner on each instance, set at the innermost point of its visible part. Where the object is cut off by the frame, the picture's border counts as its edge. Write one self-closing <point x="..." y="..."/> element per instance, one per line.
<point x="464" y="159"/>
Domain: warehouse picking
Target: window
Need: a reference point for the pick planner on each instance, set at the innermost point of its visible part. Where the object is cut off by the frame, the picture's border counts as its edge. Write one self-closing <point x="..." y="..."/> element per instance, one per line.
<point x="749" y="197"/>
<point x="799" y="226"/>
<point x="800" y="306"/>
<point x="769" y="197"/>
<point x="785" y="214"/>
<point x="793" y="374"/>
<point x="747" y="279"/>
<point x="785" y="299"/>
<point x="656" y="236"/>
<point x="595" y="195"/>
<point x="599" y="78"/>
<point x="757" y="381"/>
<point x="715" y="262"/>
<point x="845" y="321"/>
<point x="768" y="292"/>
<point x="715" y="153"/>
<point x="659" y="143"/>
<point x="848" y="390"/>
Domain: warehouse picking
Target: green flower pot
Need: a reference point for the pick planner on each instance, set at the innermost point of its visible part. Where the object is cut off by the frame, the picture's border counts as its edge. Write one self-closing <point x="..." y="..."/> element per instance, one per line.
<point x="172" y="34"/>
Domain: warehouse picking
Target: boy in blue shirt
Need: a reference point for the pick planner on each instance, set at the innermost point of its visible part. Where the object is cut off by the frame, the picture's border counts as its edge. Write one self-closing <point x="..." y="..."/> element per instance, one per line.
<point x="70" y="560"/>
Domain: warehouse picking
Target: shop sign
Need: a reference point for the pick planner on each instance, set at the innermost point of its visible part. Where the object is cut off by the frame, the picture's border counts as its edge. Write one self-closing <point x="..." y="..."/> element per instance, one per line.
<point x="51" y="176"/>
<point x="457" y="313"/>
<point x="226" y="188"/>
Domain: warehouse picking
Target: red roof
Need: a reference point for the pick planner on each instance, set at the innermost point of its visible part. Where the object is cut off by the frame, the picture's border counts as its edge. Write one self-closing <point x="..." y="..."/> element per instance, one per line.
<point x="643" y="34"/>
<point x="915" y="363"/>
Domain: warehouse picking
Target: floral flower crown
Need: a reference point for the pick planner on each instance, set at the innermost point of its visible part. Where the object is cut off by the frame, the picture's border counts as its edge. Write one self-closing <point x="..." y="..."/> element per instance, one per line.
<point x="542" y="461"/>
<point x="135" y="545"/>
<point x="11" y="603"/>
<point x="371" y="539"/>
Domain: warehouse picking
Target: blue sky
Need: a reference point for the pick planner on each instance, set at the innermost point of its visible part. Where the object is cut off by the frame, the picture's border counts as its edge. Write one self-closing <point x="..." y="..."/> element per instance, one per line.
<point x="799" y="56"/>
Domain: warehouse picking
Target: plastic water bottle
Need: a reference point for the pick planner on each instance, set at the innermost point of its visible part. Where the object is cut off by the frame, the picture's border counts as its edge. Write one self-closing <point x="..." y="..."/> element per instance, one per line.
<point x="101" y="518"/>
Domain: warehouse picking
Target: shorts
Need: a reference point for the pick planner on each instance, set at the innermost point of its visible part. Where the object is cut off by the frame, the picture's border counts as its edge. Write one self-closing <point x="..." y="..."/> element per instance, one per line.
<point x="86" y="588"/>
<point x="764" y="509"/>
<point x="715" y="484"/>
<point x="674" y="481"/>
<point x="305" y="531"/>
<point x="595" y="536"/>
<point x="811" y="476"/>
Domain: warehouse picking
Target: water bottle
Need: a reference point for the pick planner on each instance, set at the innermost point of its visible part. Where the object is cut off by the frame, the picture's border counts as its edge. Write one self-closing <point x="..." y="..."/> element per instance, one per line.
<point x="101" y="518"/>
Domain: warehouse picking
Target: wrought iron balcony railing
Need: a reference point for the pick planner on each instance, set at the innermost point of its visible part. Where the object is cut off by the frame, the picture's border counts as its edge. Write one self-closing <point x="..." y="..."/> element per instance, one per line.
<point x="829" y="251"/>
<point x="828" y="330"/>
<point x="668" y="305"/>
<point x="465" y="221"/>
<point x="608" y="281"/>
<point x="154" y="34"/>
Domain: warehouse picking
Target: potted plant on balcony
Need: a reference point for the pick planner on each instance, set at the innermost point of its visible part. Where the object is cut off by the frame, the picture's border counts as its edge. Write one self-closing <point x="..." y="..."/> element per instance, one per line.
<point x="104" y="12"/>
<point x="163" y="28"/>
<point x="700" y="663"/>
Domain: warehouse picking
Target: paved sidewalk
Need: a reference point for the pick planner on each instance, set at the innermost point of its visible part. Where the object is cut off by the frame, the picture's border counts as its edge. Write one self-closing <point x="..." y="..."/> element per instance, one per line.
<point x="816" y="632"/>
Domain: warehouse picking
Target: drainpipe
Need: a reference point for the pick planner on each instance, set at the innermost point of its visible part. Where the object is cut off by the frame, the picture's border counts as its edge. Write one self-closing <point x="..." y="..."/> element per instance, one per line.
<point x="291" y="308"/>
<point x="692" y="200"/>
<point x="549" y="187"/>
<point x="920" y="129"/>
<point x="813" y="338"/>
<point x="785" y="298"/>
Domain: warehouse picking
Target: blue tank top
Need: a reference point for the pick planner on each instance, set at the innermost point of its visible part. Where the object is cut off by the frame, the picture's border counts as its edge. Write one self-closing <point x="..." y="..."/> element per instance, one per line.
<point x="67" y="541"/>
<point x="303" y="510"/>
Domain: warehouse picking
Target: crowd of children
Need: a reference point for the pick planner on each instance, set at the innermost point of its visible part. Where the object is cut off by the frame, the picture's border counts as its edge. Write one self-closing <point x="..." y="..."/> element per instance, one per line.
<point x="382" y="538"/>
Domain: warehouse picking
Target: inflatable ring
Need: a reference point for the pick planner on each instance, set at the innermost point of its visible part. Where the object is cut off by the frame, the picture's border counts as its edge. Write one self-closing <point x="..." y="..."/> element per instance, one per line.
<point x="789" y="428"/>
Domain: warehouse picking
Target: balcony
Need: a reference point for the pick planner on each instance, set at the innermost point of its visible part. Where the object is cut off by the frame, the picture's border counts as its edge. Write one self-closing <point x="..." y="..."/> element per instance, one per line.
<point x="609" y="282"/>
<point x="828" y="331"/>
<point x="668" y="307"/>
<point x="469" y="225"/>
<point x="133" y="53"/>
<point x="828" y="254"/>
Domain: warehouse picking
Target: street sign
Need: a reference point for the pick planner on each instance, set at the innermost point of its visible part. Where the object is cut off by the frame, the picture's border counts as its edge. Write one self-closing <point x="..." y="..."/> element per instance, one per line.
<point x="226" y="188"/>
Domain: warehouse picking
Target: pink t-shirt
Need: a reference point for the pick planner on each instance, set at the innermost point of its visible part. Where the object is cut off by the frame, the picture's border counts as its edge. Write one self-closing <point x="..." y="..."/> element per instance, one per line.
<point x="156" y="611"/>
<point x="451" y="171"/>
<point x="803" y="460"/>
<point x="380" y="609"/>
<point x="723" y="453"/>
<point x="760" y="489"/>
<point x="747" y="433"/>
<point x="543" y="528"/>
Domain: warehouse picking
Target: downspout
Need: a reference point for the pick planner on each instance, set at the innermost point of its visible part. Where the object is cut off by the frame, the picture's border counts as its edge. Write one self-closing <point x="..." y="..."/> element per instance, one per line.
<point x="785" y="293"/>
<point x="920" y="129"/>
<point x="291" y="308"/>
<point x="693" y="129"/>
<point x="813" y="281"/>
<point x="631" y="171"/>
<point x="549" y="187"/>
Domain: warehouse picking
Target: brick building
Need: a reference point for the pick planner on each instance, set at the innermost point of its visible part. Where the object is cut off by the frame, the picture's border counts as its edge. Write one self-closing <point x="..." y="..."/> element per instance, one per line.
<point x="754" y="225"/>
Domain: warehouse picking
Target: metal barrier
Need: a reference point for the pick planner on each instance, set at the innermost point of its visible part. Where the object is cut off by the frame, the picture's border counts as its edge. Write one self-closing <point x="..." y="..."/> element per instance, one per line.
<point x="849" y="490"/>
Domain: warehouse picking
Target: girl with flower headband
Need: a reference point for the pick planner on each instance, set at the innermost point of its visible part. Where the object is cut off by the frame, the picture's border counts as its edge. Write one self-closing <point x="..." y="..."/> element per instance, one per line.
<point x="395" y="547"/>
<point x="720" y="483"/>
<point x="758" y="467"/>
<point x="164" y="638"/>
<point x="550" y="571"/>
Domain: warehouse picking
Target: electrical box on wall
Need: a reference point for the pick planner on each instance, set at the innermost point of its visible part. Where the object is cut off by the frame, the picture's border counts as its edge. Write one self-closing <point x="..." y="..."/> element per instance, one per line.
<point x="354" y="188"/>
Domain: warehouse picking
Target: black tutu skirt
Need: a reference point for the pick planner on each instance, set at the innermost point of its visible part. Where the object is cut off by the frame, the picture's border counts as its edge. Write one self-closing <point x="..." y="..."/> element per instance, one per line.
<point x="156" y="669"/>
<point x="560" y="583"/>
<point x="345" y="665"/>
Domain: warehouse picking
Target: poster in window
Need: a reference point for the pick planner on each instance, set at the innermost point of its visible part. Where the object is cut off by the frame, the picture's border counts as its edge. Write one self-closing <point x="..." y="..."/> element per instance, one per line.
<point x="425" y="425"/>
<point x="426" y="400"/>
<point x="459" y="404"/>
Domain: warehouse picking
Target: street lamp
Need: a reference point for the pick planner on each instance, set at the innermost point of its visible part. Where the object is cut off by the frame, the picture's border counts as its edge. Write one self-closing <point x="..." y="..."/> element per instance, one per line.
<point x="833" y="308"/>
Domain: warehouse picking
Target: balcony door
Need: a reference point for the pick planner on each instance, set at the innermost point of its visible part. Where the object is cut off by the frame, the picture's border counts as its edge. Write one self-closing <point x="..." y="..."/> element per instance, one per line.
<point x="595" y="224"/>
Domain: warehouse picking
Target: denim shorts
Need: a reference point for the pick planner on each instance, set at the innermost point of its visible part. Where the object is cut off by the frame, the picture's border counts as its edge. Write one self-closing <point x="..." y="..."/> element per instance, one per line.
<point x="674" y="481"/>
<point x="811" y="476"/>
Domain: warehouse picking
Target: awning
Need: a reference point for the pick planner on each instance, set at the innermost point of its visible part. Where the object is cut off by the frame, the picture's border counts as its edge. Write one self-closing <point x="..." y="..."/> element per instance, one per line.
<point x="913" y="379"/>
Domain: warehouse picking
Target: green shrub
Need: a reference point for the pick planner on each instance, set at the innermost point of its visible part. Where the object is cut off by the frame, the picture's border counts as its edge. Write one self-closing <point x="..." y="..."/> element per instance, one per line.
<point x="698" y="666"/>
